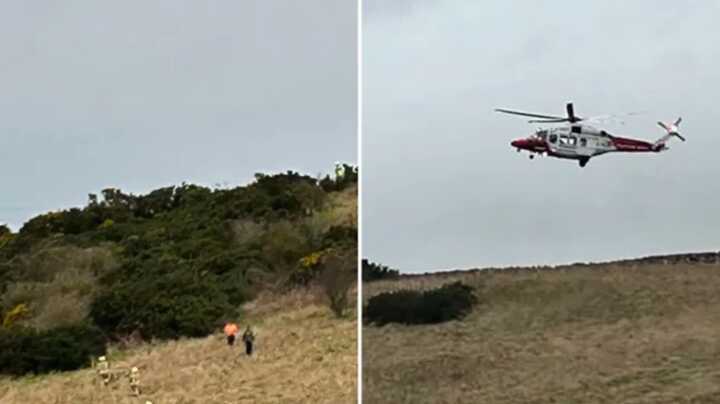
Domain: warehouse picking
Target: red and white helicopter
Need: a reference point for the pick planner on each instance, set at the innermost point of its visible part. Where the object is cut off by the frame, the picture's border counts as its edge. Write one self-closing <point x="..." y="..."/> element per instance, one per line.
<point x="581" y="142"/>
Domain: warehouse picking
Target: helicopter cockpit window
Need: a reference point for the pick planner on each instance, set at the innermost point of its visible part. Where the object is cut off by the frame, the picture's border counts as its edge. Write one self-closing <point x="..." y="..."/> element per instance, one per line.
<point x="553" y="138"/>
<point x="542" y="134"/>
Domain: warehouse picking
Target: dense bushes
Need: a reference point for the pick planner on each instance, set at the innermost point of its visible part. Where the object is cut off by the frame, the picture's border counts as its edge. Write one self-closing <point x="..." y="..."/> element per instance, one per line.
<point x="449" y="302"/>
<point x="340" y="236"/>
<point x="172" y="306"/>
<point x="25" y="350"/>
<point x="375" y="272"/>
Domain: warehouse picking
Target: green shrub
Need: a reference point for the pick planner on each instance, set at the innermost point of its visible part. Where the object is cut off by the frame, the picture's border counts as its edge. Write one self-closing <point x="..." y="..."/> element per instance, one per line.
<point x="340" y="236"/>
<point x="338" y="184"/>
<point x="172" y="306"/>
<point x="58" y="284"/>
<point x="337" y="277"/>
<point x="449" y="302"/>
<point x="5" y="235"/>
<point x="307" y="269"/>
<point x="375" y="272"/>
<point x="26" y="350"/>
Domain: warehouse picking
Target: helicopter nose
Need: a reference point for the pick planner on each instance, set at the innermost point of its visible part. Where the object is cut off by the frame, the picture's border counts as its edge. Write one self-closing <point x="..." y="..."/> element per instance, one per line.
<point x="518" y="143"/>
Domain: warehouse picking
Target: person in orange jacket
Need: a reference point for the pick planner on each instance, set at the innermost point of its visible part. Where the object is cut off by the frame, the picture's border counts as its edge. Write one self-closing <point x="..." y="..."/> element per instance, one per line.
<point x="231" y="330"/>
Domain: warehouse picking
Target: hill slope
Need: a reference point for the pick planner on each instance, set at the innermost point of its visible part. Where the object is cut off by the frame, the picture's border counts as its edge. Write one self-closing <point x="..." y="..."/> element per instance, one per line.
<point x="174" y="264"/>
<point x="304" y="355"/>
<point x="636" y="331"/>
<point x="175" y="261"/>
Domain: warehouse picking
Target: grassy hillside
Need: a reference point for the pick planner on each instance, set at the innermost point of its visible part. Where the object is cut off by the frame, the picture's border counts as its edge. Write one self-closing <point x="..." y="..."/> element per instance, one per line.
<point x="304" y="355"/>
<point x="177" y="263"/>
<point x="643" y="331"/>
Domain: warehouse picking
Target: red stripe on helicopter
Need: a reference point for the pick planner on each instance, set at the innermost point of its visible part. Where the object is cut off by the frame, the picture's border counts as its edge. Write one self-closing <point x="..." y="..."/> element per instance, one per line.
<point x="631" y="145"/>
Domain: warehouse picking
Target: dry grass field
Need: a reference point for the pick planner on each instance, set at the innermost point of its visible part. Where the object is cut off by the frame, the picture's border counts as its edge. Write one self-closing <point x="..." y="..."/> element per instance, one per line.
<point x="605" y="333"/>
<point x="304" y="355"/>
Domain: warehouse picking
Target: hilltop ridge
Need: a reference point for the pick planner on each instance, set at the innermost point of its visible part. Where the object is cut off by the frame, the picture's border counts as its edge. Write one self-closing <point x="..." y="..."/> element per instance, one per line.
<point x="659" y="259"/>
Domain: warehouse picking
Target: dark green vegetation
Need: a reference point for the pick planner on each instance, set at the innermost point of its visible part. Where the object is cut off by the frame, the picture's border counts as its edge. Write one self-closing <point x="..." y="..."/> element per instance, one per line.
<point x="174" y="262"/>
<point x="64" y="348"/>
<point x="375" y="272"/>
<point x="448" y="302"/>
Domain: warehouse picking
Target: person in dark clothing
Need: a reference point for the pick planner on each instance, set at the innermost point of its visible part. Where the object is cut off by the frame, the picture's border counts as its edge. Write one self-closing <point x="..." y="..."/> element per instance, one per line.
<point x="248" y="338"/>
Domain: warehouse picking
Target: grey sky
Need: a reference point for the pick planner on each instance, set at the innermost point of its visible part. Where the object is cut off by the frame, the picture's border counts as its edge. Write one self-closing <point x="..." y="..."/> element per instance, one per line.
<point x="143" y="94"/>
<point x="443" y="189"/>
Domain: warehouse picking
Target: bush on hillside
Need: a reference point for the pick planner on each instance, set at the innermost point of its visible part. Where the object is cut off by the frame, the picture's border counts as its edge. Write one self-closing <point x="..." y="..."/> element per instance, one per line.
<point x="449" y="302"/>
<point x="170" y="307"/>
<point x="338" y="184"/>
<point x="26" y="350"/>
<point x="376" y="272"/>
<point x="309" y="267"/>
<point x="340" y="236"/>
<point x="5" y="235"/>
<point x="337" y="277"/>
<point x="59" y="284"/>
<point x="167" y="307"/>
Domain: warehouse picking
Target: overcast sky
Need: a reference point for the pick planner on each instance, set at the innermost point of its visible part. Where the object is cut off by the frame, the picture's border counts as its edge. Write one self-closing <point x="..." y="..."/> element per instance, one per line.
<point x="143" y="94"/>
<point x="443" y="189"/>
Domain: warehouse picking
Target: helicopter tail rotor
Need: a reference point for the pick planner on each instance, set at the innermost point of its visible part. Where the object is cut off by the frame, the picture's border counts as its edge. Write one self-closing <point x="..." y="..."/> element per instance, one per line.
<point x="672" y="128"/>
<point x="672" y="131"/>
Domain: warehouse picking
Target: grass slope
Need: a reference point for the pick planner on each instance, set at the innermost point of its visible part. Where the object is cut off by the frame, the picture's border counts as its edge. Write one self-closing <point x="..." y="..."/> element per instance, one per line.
<point x="645" y="332"/>
<point x="304" y="355"/>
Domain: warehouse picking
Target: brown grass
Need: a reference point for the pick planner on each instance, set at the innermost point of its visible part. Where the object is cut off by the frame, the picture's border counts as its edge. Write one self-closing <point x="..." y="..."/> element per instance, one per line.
<point x="304" y="355"/>
<point x="598" y="334"/>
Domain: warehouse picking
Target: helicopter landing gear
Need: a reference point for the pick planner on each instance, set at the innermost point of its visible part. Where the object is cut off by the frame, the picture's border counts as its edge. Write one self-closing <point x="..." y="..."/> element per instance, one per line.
<point x="532" y="156"/>
<point x="583" y="161"/>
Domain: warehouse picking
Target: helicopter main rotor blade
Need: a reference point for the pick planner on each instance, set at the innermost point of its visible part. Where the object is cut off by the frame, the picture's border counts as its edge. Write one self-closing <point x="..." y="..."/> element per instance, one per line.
<point x="617" y="118"/>
<point x="548" y="120"/>
<point x="662" y="125"/>
<point x="508" y="111"/>
<point x="571" y="113"/>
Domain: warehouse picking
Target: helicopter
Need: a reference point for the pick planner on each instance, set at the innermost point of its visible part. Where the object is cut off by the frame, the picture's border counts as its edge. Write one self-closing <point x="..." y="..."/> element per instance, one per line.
<point x="579" y="141"/>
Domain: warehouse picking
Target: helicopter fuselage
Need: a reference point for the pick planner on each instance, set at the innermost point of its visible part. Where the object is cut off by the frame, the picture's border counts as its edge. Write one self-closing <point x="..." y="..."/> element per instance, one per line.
<point x="580" y="142"/>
